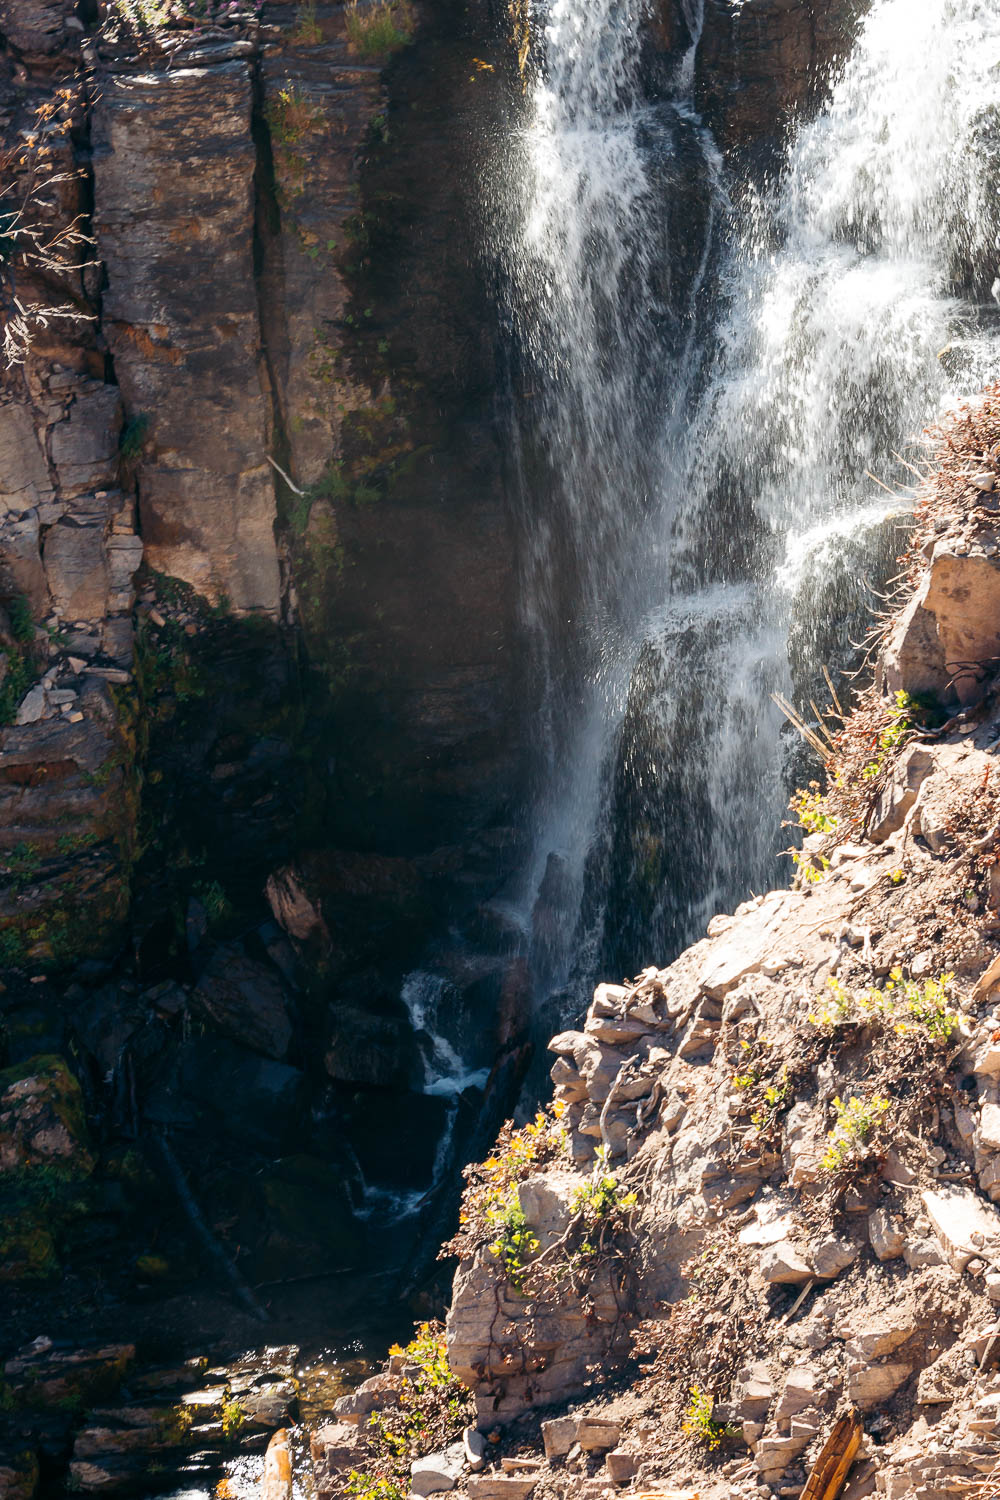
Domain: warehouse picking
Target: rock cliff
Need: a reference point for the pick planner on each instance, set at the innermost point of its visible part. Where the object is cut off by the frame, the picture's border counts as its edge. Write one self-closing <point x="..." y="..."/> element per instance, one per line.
<point x="752" y="1244"/>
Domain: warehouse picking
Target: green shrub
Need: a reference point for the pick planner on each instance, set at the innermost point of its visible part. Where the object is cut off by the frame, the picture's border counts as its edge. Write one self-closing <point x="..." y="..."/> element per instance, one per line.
<point x="22" y="624"/>
<point x="134" y="436"/>
<point x="698" y="1421"/>
<point x="233" y="1418"/>
<point x="850" y="1139"/>
<point x="379" y="27"/>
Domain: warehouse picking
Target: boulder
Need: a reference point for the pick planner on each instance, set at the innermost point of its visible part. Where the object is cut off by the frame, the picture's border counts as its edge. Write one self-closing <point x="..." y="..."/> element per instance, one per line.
<point x="831" y="1256"/>
<point x="247" y="1096"/>
<point x="246" y="1001"/>
<point x="276" y="1479"/>
<point x="964" y="1225"/>
<point x="744" y="947"/>
<point x="947" y="640"/>
<point x="76" y="569"/>
<point x="42" y="1376"/>
<point x="42" y="1122"/>
<point x="21" y="570"/>
<point x="19" y="1470"/>
<point x="333" y="1449"/>
<point x="621" y="1465"/>
<point x="83" y="447"/>
<point x="377" y="1393"/>
<point x="804" y="1386"/>
<point x="597" y="1434"/>
<point x="501" y="1486"/>
<point x="475" y="1447"/>
<point x="437" y="1471"/>
<point x="989" y="1127"/>
<point x="785" y="1263"/>
<point x="886" y="1238"/>
<point x="900" y="793"/>
<point x="25" y="482"/>
<point x="558" y="1436"/>
<point x="870" y="1386"/>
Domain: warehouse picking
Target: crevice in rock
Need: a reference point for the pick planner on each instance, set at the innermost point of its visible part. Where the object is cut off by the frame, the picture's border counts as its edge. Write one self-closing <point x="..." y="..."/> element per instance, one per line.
<point x="269" y="282"/>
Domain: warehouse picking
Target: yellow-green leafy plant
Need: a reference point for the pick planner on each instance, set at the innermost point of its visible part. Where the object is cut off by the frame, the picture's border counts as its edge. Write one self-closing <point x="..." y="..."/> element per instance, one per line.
<point x="850" y="1140"/>
<point x="699" y="1423"/>
<point x="233" y="1418"/>
<point x="491" y="1213"/>
<point x="433" y="1409"/>
<point x="812" y="811"/>
<point x="515" y="1241"/>
<point x="904" y="1006"/>
<point x="775" y="1097"/>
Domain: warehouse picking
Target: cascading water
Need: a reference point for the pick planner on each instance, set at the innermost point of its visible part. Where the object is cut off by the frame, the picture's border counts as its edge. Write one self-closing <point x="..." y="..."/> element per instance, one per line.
<point x="698" y="529"/>
<point x="605" y="255"/>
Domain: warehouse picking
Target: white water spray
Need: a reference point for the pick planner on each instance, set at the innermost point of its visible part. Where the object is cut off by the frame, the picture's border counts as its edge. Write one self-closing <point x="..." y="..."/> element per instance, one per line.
<point x="698" y="524"/>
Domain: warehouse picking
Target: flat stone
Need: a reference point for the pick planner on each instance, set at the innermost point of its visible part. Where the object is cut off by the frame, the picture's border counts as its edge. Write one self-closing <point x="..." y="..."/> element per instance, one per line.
<point x="886" y="1239"/>
<point x="831" y="1256"/>
<point x="475" y="1446"/>
<point x="803" y="1387"/>
<point x="989" y="1127"/>
<point x="621" y="1466"/>
<point x="558" y="1436"/>
<point x="963" y="1223"/>
<point x="32" y="706"/>
<point x="745" y="946"/>
<point x="597" y="1434"/>
<point x="437" y="1472"/>
<point x="919" y="1253"/>
<point x="500" y="1486"/>
<point x="871" y="1385"/>
<point x="785" y="1263"/>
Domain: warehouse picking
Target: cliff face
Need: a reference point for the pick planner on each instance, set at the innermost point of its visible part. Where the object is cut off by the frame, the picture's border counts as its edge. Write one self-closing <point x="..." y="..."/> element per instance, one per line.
<point x="752" y="1246"/>
<point x="277" y="270"/>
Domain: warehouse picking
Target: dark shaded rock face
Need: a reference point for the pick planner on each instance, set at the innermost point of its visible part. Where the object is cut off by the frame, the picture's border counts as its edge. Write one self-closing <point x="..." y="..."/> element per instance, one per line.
<point x="765" y="62"/>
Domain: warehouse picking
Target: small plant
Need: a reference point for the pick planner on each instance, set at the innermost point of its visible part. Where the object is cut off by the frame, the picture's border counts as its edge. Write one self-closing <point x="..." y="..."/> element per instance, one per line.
<point x="374" y="1487"/>
<point x="849" y="1141"/>
<point x="515" y="1241"/>
<point x="897" y="877"/>
<point x="427" y="1349"/>
<point x="308" y="32"/>
<point x="434" y="1408"/>
<point x="218" y="907"/>
<point x="811" y="811"/>
<point x="134" y="436"/>
<point x="379" y="27"/>
<point x="811" y="867"/>
<point x="597" y="1199"/>
<point x="233" y="1418"/>
<point x="699" y="1423"/>
<point x="776" y="1097"/>
<point x="906" y="1006"/>
<point x="22" y="625"/>
<point x="292" y="116"/>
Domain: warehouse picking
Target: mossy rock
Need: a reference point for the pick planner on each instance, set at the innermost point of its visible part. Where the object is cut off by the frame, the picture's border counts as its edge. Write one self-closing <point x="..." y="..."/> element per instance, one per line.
<point x="43" y="1127"/>
<point x="66" y="1379"/>
<point x="27" y="1248"/>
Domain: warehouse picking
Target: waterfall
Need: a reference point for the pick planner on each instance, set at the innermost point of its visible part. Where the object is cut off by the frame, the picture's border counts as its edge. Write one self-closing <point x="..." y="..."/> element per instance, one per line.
<point x="707" y="370"/>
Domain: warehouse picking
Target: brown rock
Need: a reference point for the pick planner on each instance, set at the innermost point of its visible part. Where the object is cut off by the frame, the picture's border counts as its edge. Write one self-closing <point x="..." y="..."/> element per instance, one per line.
<point x="189" y="361"/>
<point x="76" y="567"/>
